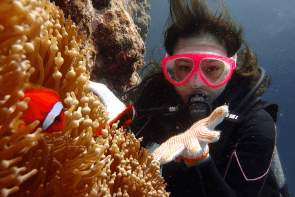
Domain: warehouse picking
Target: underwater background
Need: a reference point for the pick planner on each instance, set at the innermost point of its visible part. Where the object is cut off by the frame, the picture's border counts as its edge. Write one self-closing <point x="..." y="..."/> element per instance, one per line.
<point x="269" y="28"/>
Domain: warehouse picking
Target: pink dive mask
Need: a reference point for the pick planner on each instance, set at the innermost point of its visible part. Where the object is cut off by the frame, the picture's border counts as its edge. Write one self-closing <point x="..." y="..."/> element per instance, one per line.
<point x="214" y="70"/>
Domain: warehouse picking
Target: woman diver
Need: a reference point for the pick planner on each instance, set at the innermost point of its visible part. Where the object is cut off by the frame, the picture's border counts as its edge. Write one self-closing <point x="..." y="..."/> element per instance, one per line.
<point x="209" y="65"/>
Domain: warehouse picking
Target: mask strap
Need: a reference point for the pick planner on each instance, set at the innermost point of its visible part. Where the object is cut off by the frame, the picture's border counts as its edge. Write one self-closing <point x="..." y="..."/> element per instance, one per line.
<point x="235" y="57"/>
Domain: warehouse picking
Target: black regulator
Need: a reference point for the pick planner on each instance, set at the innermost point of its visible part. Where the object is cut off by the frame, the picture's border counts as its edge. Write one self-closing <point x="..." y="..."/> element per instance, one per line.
<point x="198" y="106"/>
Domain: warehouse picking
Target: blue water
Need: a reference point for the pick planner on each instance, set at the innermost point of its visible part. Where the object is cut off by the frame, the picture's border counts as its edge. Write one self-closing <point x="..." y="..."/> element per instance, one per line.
<point x="269" y="28"/>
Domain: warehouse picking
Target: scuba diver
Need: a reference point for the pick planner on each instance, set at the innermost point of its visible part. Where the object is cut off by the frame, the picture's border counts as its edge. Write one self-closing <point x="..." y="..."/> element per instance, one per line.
<point x="209" y="64"/>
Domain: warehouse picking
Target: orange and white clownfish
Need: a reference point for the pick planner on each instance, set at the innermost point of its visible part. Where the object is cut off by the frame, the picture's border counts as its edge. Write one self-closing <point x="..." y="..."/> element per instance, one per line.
<point x="45" y="106"/>
<point x="125" y="117"/>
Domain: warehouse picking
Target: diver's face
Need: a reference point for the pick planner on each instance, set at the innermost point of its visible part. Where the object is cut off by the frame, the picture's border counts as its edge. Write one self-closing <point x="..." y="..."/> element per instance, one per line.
<point x="206" y="43"/>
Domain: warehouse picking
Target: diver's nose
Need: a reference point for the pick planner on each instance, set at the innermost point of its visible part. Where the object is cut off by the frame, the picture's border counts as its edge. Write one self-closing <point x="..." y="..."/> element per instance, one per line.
<point x="196" y="81"/>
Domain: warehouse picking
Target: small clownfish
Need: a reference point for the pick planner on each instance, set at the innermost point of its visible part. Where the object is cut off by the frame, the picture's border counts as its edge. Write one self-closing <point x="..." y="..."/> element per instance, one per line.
<point x="45" y="106"/>
<point x="125" y="117"/>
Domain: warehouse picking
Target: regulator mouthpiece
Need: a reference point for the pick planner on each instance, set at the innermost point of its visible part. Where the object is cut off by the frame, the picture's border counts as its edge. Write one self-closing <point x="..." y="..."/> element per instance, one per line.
<point x="199" y="107"/>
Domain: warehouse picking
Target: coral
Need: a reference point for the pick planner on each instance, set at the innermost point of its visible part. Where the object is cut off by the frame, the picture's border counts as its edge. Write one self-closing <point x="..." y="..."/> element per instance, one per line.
<point x="117" y="30"/>
<point x="39" y="46"/>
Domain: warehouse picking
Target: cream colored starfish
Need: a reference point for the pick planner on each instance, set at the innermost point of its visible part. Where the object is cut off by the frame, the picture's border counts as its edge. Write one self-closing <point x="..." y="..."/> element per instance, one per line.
<point x="192" y="144"/>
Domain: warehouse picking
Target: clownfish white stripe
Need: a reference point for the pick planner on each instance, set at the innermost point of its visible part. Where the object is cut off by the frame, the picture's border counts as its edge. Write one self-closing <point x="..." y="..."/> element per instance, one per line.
<point x="54" y="112"/>
<point x="134" y="114"/>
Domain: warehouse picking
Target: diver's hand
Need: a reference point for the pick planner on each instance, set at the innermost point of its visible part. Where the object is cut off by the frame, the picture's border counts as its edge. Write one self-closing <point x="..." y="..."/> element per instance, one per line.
<point x="192" y="145"/>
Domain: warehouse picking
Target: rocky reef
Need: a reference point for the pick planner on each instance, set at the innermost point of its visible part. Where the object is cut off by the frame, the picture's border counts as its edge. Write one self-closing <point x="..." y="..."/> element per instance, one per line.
<point x="116" y="32"/>
<point x="39" y="46"/>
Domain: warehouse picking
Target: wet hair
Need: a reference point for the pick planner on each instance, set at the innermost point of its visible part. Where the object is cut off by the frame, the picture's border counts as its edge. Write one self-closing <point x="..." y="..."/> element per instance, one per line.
<point x="191" y="18"/>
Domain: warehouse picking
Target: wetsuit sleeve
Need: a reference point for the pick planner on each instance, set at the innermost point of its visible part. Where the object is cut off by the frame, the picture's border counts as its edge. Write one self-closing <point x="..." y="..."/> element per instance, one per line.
<point x="249" y="162"/>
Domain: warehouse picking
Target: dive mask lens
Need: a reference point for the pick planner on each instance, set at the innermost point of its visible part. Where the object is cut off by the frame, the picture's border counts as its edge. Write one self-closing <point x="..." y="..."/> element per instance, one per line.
<point x="179" y="69"/>
<point x="214" y="72"/>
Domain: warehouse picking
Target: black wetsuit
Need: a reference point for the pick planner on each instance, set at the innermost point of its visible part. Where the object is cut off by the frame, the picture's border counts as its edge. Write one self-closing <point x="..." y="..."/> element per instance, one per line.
<point x="238" y="162"/>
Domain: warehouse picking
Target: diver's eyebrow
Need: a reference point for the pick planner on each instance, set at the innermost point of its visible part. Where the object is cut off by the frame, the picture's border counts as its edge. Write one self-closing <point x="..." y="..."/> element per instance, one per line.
<point x="183" y="60"/>
<point x="213" y="60"/>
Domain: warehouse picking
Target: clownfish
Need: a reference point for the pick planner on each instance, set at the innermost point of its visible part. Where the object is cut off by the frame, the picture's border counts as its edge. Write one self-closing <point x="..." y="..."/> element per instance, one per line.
<point x="45" y="106"/>
<point x="125" y="117"/>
